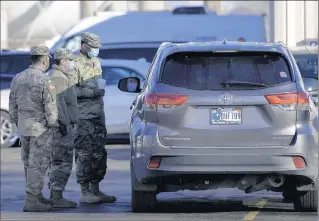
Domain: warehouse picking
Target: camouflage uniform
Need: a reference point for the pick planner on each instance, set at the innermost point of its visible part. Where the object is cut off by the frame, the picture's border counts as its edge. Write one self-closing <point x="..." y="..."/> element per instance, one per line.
<point x="90" y="141"/>
<point x="62" y="148"/>
<point x="33" y="109"/>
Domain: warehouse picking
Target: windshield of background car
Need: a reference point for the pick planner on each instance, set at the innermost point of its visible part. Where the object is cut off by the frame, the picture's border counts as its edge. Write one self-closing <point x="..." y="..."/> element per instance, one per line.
<point x="209" y="71"/>
<point x="5" y="82"/>
<point x="128" y="53"/>
<point x="113" y="75"/>
<point x="308" y="64"/>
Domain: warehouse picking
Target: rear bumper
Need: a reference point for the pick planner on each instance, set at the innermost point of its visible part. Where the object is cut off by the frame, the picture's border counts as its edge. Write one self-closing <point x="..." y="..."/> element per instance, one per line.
<point x="230" y="160"/>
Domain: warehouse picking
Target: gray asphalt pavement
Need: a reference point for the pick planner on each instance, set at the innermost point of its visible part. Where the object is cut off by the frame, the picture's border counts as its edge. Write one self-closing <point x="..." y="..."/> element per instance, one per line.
<point x="214" y="205"/>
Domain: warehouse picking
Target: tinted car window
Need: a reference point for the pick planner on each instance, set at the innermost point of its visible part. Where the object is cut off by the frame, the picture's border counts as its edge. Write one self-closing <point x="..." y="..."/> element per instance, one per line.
<point x="128" y="53"/>
<point x="5" y="81"/>
<point x="13" y="64"/>
<point x="208" y="71"/>
<point x="308" y="64"/>
<point x="10" y="65"/>
<point x="113" y="75"/>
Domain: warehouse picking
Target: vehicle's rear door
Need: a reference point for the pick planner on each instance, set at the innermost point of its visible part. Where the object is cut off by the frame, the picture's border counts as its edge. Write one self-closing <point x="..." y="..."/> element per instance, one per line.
<point x="230" y="99"/>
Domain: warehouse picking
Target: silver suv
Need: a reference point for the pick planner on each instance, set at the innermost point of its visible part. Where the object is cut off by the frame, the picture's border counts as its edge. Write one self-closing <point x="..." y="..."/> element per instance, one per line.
<point x="223" y="115"/>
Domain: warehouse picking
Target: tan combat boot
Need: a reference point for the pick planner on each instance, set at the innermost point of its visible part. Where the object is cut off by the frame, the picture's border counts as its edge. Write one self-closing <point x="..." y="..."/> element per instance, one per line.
<point x="87" y="196"/>
<point x="94" y="187"/>
<point x="44" y="200"/>
<point x="33" y="204"/>
<point x="60" y="202"/>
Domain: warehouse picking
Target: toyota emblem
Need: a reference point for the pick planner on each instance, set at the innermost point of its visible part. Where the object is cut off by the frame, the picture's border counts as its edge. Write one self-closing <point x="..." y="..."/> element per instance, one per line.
<point x="224" y="98"/>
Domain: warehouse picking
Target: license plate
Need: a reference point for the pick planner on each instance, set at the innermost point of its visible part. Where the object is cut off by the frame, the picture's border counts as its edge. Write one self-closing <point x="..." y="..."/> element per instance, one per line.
<point x="226" y="116"/>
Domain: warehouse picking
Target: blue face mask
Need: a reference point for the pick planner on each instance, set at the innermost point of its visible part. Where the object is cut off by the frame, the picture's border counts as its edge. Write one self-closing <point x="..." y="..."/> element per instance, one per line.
<point x="131" y="86"/>
<point x="93" y="53"/>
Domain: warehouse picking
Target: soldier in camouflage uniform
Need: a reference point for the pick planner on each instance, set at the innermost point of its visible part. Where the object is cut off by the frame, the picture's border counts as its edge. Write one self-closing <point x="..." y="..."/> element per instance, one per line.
<point x="33" y="109"/>
<point x="63" y="139"/>
<point x="90" y="152"/>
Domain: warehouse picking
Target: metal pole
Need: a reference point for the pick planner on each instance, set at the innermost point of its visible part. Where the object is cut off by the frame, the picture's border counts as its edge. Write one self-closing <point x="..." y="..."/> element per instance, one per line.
<point x="213" y="5"/>
<point x="304" y="19"/>
<point x="141" y="5"/>
<point x="287" y="22"/>
<point x="86" y="9"/>
<point x="4" y="29"/>
<point x="271" y="20"/>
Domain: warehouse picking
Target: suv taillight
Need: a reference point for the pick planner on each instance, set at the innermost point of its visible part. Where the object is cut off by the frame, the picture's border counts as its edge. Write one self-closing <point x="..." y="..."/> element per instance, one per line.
<point x="290" y="101"/>
<point x="164" y="101"/>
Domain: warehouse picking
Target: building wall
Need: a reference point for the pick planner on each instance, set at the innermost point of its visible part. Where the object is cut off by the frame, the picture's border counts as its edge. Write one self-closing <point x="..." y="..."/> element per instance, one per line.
<point x="293" y="21"/>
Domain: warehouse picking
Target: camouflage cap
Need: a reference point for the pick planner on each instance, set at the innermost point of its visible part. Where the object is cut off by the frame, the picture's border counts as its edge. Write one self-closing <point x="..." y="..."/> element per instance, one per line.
<point x="40" y="50"/>
<point x="91" y="39"/>
<point x="64" y="53"/>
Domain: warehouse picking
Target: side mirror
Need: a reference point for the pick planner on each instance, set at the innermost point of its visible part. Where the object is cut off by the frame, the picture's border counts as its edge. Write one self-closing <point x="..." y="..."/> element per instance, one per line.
<point x="130" y="85"/>
<point x="311" y="84"/>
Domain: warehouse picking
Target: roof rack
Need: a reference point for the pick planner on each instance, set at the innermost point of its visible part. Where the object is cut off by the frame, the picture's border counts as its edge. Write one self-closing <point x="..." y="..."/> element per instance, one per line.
<point x="281" y="43"/>
<point x="166" y="45"/>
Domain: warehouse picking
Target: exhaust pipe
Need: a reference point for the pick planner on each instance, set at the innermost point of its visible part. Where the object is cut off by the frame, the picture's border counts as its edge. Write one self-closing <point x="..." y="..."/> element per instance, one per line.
<point x="276" y="180"/>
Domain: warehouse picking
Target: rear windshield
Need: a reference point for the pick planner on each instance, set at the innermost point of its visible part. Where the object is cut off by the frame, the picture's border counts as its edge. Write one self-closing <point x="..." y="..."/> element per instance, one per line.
<point x="217" y="71"/>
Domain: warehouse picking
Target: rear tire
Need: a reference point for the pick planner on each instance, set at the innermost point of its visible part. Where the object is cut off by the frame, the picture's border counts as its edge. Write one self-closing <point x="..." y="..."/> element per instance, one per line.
<point x="307" y="201"/>
<point x="143" y="201"/>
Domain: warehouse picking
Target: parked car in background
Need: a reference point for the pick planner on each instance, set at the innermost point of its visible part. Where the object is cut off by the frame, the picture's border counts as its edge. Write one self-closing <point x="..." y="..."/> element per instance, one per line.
<point x="117" y="103"/>
<point x="223" y="115"/>
<point x="308" y="42"/>
<point x="135" y="35"/>
<point x="307" y="61"/>
<point x="11" y="63"/>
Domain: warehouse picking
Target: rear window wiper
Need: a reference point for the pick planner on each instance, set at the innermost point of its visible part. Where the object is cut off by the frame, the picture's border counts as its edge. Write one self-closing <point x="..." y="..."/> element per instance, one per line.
<point x="242" y="83"/>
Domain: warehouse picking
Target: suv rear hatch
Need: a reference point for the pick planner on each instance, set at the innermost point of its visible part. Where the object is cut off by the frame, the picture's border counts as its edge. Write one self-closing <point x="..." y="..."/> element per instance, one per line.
<point x="226" y="99"/>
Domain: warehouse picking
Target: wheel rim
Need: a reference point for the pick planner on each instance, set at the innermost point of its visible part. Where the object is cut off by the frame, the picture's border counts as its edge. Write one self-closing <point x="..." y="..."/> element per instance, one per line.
<point x="6" y="130"/>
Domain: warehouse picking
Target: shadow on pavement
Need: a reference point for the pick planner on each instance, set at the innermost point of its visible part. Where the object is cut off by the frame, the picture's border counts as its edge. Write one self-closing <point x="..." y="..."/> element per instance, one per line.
<point x="208" y="207"/>
<point x="172" y="207"/>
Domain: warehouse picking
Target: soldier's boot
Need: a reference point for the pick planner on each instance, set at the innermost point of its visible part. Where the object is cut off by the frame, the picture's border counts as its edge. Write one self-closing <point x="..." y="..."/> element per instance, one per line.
<point x="104" y="198"/>
<point x="60" y="202"/>
<point x="87" y="196"/>
<point x="33" y="204"/>
<point x="44" y="200"/>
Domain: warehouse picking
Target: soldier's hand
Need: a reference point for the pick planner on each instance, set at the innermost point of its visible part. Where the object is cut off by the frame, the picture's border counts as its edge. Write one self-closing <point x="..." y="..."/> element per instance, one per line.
<point x="63" y="129"/>
<point x="99" y="92"/>
<point x="74" y="127"/>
